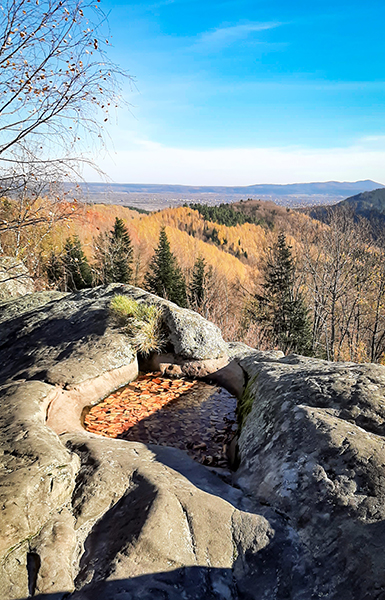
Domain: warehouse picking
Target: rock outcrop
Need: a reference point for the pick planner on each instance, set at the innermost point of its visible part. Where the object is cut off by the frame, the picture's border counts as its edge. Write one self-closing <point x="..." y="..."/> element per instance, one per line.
<point x="14" y="279"/>
<point x="85" y="517"/>
<point x="313" y="447"/>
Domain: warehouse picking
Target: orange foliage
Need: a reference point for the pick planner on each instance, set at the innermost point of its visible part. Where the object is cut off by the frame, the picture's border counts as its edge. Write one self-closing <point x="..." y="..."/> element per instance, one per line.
<point x="90" y="220"/>
<point x="237" y="258"/>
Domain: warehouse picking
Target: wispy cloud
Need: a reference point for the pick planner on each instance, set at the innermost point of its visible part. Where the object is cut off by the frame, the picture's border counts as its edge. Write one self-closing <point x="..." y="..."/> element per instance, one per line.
<point x="224" y="36"/>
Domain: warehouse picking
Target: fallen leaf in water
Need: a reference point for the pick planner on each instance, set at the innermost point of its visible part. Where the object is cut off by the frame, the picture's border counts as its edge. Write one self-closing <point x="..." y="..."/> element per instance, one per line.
<point x="201" y="446"/>
<point x="178" y="413"/>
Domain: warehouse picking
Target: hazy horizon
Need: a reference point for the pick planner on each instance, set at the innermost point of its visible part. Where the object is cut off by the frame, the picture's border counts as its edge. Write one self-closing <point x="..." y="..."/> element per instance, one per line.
<point x="234" y="93"/>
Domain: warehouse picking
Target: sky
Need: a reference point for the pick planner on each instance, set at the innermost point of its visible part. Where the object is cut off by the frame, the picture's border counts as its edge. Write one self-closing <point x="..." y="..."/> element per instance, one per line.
<point x="239" y="92"/>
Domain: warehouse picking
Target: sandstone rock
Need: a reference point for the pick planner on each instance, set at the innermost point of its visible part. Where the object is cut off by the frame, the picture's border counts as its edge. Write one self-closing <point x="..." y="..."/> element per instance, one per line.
<point x="70" y="339"/>
<point x="239" y="351"/>
<point x="86" y="517"/>
<point x="313" y="447"/>
<point x="54" y="549"/>
<point x="65" y="409"/>
<point x="222" y="371"/>
<point x="148" y="517"/>
<point x="15" y="307"/>
<point x="191" y="335"/>
<point x="37" y="475"/>
<point x="14" y="279"/>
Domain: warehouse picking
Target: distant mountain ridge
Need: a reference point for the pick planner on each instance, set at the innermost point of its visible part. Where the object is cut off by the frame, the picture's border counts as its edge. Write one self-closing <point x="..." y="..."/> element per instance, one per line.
<point x="328" y="188"/>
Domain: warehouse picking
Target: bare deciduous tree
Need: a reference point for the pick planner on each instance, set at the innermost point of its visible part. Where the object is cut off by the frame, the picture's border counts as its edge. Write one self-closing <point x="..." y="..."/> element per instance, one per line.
<point x="57" y="88"/>
<point x="55" y="78"/>
<point x="346" y="286"/>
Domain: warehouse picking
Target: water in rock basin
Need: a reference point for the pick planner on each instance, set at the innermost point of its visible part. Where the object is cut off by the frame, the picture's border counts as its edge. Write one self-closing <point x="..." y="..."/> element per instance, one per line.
<point x="191" y="415"/>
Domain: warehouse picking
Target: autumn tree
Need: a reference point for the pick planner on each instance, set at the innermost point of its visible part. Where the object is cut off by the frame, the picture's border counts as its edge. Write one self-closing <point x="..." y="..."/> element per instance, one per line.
<point x="345" y="278"/>
<point x="280" y="308"/>
<point x="57" y="87"/>
<point x="55" y="77"/>
<point x="113" y="255"/>
<point x="164" y="277"/>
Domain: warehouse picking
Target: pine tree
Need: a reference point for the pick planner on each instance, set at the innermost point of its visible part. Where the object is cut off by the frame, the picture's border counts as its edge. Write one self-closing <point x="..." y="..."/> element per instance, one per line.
<point x="165" y="277"/>
<point x="280" y="308"/>
<point x="113" y="255"/>
<point x="197" y="290"/>
<point x="122" y="253"/>
<point x="76" y="270"/>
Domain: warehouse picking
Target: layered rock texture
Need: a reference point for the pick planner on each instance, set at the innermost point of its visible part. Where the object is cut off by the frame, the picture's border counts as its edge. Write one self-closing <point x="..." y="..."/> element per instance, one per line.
<point x="14" y="279"/>
<point x="85" y="517"/>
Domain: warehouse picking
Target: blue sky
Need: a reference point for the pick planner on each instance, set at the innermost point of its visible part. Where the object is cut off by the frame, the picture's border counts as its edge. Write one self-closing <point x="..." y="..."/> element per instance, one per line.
<point x="242" y="92"/>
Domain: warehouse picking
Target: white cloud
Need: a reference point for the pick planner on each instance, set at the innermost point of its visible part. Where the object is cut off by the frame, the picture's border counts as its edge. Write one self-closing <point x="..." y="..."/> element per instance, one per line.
<point x="224" y="36"/>
<point x="150" y="162"/>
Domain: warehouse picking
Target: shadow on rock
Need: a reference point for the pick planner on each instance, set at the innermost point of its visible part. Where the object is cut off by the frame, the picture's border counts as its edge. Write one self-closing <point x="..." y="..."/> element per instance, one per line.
<point x="189" y="583"/>
<point x="57" y="338"/>
<point x="115" y="531"/>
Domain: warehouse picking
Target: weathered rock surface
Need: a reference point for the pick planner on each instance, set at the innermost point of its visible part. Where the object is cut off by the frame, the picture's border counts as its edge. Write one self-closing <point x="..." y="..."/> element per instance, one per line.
<point x="314" y="448"/>
<point x="71" y="337"/>
<point x="222" y="371"/>
<point x="85" y="517"/>
<point x="37" y="476"/>
<point x="14" y="279"/>
<point x="190" y="335"/>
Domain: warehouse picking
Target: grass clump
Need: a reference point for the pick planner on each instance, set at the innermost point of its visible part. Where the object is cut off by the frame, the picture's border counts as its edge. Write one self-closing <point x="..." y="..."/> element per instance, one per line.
<point x="142" y="323"/>
<point x="245" y="404"/>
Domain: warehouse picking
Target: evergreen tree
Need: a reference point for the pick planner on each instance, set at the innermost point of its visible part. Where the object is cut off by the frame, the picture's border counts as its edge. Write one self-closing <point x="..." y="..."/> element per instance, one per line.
<point x="76" y="270"/>
<point x="197" y="290"/>
<point x="114" y="255"/>
<point x="165" y="277"/>
<point x="280" y="309"/>
<point x="122" y="253"/>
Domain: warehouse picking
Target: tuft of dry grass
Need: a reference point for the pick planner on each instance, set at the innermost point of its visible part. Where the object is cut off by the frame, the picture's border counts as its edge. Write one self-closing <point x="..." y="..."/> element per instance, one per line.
<point x="142" y="323"/>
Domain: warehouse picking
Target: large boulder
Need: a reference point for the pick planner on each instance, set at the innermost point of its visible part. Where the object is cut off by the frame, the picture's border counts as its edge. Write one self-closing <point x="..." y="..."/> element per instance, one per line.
<point x="72" y="338"/>
<point x="37" y="477"/>
<point x="84" y="516"/>
<point x="69" y="338"/>
<point x="190" y="335"/>
<point x="313" y="447"/>
<point x="14" y="279"/>
<point x="87" y="517"/>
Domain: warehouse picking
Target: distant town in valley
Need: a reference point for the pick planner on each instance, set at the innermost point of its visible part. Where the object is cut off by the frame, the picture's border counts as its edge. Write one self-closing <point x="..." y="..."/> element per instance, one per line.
<point x="153" y="197"/>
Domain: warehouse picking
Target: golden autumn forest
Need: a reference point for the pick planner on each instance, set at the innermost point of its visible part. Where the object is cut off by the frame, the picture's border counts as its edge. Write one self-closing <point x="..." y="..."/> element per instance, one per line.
<point x="335" y="269"/>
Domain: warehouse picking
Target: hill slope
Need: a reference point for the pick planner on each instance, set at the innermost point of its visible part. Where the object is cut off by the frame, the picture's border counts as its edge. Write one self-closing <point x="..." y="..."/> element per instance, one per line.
<point x="370" y="204"/>
<point x="367" y="202"/>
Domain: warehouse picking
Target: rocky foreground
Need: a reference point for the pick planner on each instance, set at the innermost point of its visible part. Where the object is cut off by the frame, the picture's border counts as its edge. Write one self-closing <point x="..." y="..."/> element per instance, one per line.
<point x="87" y="517"/>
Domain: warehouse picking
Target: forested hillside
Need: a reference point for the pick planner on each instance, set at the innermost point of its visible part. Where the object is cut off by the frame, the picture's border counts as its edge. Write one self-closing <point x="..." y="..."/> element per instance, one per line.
<point x="268" y="275"/>
<point x="370" y="205"/>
